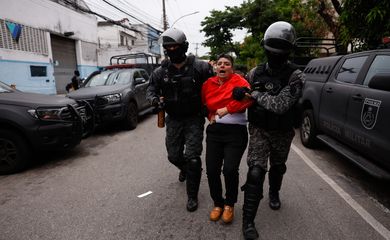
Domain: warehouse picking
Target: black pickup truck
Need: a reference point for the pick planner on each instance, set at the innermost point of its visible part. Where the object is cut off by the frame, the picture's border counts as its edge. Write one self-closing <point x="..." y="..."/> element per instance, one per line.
<point x="31" y="123"/>
<point x="118" y="92"/>
<point x="346" y="105"/>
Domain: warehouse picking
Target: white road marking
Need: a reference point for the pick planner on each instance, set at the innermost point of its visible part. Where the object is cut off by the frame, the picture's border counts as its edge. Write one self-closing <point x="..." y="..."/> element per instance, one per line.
<point x="145" y="194"/>
<point x="356" y="206"/>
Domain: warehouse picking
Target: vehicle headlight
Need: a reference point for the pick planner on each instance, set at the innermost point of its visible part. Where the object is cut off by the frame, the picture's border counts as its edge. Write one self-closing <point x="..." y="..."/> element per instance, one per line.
<point x="112" y="98"/>
<point x="49" y="113"/>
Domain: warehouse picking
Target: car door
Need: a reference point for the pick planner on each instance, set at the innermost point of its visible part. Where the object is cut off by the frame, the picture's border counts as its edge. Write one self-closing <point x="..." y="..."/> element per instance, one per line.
<point x="368" y="115"/>
<point x="335" y="95"/>
<point x="140" y="85"/>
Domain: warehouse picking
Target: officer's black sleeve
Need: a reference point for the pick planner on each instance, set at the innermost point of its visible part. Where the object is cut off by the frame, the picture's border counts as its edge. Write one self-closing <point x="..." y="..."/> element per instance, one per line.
<point x="206" y="70"/>
<point x="286" y="98"/>
<point x="153" y="91"/>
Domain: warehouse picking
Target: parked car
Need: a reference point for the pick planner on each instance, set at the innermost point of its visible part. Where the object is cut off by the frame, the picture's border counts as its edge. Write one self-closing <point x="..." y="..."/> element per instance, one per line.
<point x="346" y="102"/>
<point x="32" y="122"/>
<point x="117" y="93"/>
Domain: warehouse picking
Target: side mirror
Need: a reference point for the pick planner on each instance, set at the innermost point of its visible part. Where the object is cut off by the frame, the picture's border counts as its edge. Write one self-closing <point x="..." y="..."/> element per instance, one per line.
<point x="380" y="81"/>
<point x="139" y="81"/>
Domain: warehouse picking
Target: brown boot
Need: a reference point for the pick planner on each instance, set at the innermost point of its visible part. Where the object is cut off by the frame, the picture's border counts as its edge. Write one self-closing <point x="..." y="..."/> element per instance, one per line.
<point x="228" y="214"/>
<point x="215" y="214"/>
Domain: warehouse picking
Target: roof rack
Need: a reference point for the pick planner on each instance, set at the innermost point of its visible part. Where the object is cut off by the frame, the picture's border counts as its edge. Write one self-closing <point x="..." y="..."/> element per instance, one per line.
<point x="320" y="43"/>
<point x="122" y="59"/>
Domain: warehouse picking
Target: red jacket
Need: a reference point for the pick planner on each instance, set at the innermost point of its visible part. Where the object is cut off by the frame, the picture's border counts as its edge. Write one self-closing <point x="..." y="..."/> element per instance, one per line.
<point x="216" y="95"/>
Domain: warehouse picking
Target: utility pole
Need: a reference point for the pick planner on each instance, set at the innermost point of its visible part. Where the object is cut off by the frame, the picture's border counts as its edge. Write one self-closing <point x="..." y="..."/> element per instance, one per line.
<point x="165" y="23"/>
<point x="196" y="48"/>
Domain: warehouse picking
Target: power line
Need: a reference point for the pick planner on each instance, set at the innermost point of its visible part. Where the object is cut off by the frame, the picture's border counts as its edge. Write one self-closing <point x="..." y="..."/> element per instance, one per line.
<point x="130" y="15"/>
<point x="140" y="12"/>
<point x="83" y="9"/>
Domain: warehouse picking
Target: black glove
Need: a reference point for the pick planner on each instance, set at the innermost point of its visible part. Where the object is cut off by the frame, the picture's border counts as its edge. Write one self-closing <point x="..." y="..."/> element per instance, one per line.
<point x="296" y="77"/>
<point x="296" y="81"/>
<point x="161" y="105"/>
<point x="239" y="93"/>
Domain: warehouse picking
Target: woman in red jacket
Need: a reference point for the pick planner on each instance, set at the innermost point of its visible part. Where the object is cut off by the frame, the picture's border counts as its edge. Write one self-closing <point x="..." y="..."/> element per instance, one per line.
<point x="227" y="136"/>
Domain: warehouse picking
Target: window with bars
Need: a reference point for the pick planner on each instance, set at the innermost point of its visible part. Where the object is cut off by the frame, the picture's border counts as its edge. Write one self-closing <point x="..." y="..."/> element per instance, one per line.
<point x="30" y="40"/>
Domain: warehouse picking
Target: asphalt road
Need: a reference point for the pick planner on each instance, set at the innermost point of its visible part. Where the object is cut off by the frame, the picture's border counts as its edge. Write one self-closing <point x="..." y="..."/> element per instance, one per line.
<point x="93" y="192"/>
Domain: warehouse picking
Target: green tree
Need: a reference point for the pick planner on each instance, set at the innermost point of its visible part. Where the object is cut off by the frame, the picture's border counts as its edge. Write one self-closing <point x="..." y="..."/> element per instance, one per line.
<point x="218" y="29"/>
<point x="255" y="16"/>
<point x="365" y="23"/>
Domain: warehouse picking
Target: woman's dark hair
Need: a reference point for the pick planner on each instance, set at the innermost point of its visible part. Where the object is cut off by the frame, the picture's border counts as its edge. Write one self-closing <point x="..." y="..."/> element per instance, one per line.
<point x="227" y="56"/>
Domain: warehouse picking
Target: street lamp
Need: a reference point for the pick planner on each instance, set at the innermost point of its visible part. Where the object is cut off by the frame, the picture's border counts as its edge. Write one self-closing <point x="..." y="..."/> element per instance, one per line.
<point x="186" y="15"/>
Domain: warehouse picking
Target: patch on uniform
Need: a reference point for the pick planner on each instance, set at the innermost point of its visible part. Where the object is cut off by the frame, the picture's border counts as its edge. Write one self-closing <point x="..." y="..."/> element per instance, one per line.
<point x="269" y="86"/>
<point x="369" y="113"/>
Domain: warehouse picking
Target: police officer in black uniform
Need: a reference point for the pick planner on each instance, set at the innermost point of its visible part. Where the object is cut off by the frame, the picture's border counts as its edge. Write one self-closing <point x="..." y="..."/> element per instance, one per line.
<point x="178" y="81"/>
<point x="276" y="87"/>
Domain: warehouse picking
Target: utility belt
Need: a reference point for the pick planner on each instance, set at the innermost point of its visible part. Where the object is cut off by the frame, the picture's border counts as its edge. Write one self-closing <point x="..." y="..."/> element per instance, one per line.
<point x="267" y="120"/>
<point x="182" y="95"/>
<point x="183" y="107"/>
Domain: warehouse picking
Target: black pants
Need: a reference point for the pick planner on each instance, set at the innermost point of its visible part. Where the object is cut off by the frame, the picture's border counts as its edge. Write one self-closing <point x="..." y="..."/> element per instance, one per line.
<point x="225" y="145"/>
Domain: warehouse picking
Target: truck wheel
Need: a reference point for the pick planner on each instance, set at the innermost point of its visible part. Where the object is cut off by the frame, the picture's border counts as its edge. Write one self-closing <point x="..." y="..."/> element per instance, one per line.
<point x="14" y="152"/>
<point x="308" y="131"/>
<point x="131" y="119"/>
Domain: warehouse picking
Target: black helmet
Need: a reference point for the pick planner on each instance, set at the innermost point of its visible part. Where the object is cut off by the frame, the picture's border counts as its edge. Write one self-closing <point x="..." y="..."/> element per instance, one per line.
<point x="279" y="38"/>
<point x="173" y="36"/>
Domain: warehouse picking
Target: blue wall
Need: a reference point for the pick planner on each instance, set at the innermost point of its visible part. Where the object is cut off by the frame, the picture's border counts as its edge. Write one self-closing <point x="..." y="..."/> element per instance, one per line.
<point x="18" y="73"/>
<point x="86" y="70"/>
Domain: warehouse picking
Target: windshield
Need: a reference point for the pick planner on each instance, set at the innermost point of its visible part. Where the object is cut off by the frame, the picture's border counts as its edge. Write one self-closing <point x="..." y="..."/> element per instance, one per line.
<point x="122" y="78"/>
<point x="100" y="79"/>
<point x="5" y="88"/>
<point x="110" y="77"/>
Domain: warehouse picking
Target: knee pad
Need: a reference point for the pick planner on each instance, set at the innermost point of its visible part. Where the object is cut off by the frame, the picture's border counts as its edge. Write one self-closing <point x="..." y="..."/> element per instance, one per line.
<point x="194" y="164"/>
<point x="255" y="176"/>
<point x="279" y="169"/>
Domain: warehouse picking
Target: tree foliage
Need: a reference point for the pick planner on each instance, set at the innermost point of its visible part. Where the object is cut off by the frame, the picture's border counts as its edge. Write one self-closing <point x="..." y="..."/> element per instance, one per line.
<point x="255" y="16"/>
<point x="360" y="22"/>
<point x="218" y="30"/>
<point x="365" y="23"/>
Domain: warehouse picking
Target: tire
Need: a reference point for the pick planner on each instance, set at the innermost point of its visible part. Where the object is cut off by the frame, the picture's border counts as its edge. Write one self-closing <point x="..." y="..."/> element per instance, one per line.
<point x="14" y="152"/>
<point x="308" y="131"/>
<point x="131" y="119"/>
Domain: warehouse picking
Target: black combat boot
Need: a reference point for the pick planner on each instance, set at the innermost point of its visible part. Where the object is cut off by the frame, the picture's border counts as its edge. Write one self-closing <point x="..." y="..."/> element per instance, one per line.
<point x="192" y="204"/>
<point x="275" y="177"/>
<point x="253" y="193"/>
<point x="252" y="196"/>
<point x="194" y="172"/>
<point x="274" y="200"/>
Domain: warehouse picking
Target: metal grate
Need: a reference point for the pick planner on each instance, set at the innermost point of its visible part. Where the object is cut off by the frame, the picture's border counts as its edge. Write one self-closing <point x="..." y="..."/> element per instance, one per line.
<point x="30" y="40"/>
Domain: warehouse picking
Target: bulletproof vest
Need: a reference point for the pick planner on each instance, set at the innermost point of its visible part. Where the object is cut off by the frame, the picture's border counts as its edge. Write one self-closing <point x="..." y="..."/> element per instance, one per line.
<point x="182" y="90"/>
<point x="263" y="81"/>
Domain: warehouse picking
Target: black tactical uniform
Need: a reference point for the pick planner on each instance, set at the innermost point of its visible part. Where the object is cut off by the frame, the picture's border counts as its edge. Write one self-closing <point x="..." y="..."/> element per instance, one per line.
<point x="276" y="87"/>
<point x="180" y="88"/>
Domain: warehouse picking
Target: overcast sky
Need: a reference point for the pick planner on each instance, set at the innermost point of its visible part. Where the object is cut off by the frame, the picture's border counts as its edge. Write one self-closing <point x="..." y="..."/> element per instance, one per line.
<point x="150" y="11"/>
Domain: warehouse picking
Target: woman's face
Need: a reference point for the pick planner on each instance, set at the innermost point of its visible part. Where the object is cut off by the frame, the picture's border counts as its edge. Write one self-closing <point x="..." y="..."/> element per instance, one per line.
<point x="224" y="68"/>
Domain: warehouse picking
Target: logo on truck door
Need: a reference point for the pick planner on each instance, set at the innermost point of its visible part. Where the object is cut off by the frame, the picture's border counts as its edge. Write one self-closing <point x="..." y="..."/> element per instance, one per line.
<point x="369" y="113"/>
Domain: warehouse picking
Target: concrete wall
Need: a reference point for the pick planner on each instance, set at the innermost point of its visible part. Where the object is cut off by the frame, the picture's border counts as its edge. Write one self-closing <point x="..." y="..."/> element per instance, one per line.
<point x="49" y="17"/>
<point x="145" y="41"/>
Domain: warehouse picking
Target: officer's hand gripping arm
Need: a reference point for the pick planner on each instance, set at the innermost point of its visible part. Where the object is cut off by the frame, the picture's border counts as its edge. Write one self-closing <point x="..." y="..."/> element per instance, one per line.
<point x="286" y="98"/>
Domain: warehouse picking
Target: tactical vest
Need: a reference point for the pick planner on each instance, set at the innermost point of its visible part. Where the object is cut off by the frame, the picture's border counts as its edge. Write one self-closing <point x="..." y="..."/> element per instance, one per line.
<point x="182" y="92"/>
<point x="263" y="82"/>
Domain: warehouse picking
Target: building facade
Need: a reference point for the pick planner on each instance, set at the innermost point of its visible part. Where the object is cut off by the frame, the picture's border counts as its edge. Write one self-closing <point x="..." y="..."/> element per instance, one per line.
<point x="121" y="38"/>
<point x="43" y="42"/>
